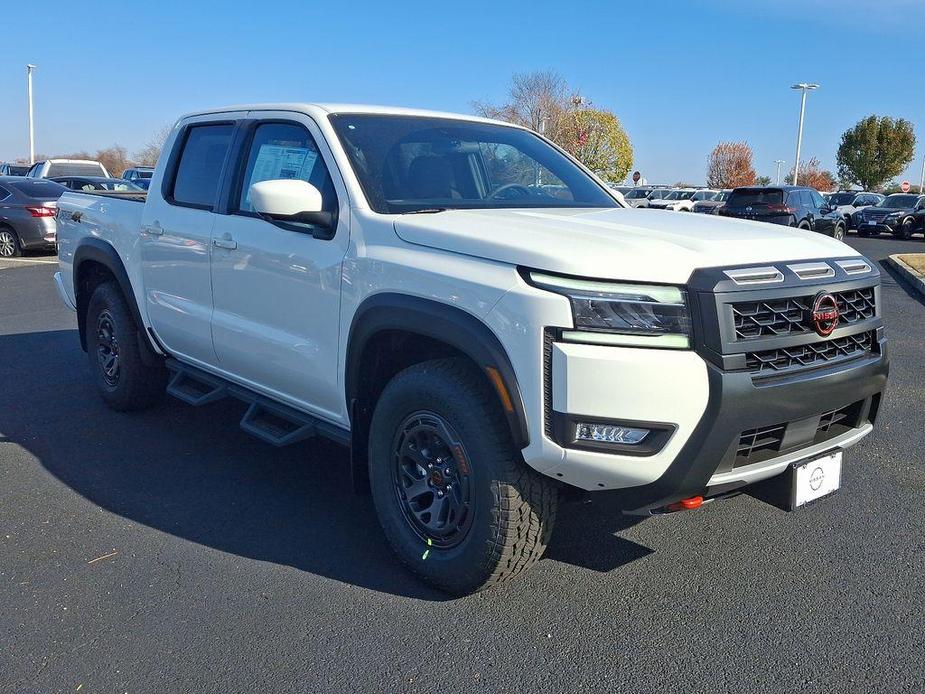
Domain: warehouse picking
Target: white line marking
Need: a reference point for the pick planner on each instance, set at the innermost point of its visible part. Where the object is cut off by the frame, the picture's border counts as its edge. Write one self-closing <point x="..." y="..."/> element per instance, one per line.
<point x="28" y="260"/>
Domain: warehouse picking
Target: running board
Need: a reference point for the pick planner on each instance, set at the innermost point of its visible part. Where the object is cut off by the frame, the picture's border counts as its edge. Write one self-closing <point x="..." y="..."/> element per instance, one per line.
<point x="270" y="421"/>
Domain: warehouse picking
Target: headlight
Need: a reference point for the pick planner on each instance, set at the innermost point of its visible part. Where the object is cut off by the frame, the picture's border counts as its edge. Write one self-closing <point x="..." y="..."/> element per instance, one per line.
<point x="612" y="313"/>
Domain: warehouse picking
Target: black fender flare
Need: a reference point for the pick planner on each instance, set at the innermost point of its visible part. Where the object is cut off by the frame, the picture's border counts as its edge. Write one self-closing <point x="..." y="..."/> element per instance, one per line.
<point x="99" y="251"/>
<point x="449" y="324"/>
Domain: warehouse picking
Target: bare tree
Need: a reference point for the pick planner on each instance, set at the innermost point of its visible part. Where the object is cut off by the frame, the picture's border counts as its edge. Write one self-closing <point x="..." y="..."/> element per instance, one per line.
<point x="730" y="166"/>
<point x="543" y="102"/>
<point x="148" y="155"/>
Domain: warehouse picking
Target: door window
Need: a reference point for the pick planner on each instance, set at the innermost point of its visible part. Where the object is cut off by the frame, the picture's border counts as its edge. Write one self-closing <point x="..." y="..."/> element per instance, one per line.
<point x="200" y="167"/>
<point x="284" y="151"/>
<point x="817" y="200"/>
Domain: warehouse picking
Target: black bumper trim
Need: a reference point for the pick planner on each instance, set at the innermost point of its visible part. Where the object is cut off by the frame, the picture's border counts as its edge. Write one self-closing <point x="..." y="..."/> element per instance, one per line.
<point x="736" y="404"/>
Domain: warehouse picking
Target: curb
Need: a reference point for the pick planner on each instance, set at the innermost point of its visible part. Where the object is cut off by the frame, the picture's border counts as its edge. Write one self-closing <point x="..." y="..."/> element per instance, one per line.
<point x="909" y="277"/>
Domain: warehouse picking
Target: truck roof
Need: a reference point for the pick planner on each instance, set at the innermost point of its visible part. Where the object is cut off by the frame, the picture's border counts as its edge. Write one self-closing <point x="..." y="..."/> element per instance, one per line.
<point x="325" y="109"/>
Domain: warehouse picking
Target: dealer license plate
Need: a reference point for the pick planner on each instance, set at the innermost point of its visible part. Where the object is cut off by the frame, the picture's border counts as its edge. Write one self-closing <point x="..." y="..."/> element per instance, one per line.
<point x="816" y="478"/>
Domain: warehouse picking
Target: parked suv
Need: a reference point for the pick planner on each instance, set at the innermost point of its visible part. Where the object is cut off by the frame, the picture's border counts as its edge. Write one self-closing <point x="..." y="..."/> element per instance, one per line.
<point x="644" y="195"/>
<point x="401" y="282"/>
<point x="8" y="169"/>
<point x="51" y="168"/>
<point x="901" y="214"/>
<point x="847" y="204"/>
<point x="682" y="199"/>
<point x="139" y="175"/>
<point x="793" y="206"/>
<point x="711" y="205"/>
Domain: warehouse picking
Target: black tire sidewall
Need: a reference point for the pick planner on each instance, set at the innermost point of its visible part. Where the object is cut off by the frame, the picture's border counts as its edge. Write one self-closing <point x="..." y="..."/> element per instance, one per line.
<point x="123" y="395"/>
<point x="463" y="567"/>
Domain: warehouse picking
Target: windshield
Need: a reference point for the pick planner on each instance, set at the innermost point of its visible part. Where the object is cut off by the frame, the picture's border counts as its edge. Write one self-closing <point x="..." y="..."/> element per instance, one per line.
<point x="659" y="193"/>
<point x="723" y="196"/>
<point x="898" y="201"/>
<point x="704" y="195"/>
<point x="637" y="194"/>
<point x="680" y="195"/>
<point x="841" y="198"/>
<point x="413" y="163"/>
<point x="143" y="174"/>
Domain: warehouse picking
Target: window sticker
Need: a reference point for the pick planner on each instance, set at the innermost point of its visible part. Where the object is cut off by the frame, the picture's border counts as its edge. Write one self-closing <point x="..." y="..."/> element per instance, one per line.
<point x="278" y="161"/>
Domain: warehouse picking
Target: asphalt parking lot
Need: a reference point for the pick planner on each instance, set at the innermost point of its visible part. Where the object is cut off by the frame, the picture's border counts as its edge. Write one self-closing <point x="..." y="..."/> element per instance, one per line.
<point x="170" y="551"/>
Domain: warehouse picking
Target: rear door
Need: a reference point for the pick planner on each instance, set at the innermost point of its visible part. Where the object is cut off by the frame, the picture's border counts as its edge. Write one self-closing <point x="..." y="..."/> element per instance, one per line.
<point x="276" y="286"/>
<point x="823" y="219"/>
<point x="176" y="236"/>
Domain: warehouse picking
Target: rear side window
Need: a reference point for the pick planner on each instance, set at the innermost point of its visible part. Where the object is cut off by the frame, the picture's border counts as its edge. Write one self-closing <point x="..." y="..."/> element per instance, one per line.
<point x="751" y="197"/>
<point x="200" y="167"/>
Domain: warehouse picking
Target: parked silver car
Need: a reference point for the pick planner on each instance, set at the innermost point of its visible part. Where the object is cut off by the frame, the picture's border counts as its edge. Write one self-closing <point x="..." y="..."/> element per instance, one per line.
<point x="27" y="214"/>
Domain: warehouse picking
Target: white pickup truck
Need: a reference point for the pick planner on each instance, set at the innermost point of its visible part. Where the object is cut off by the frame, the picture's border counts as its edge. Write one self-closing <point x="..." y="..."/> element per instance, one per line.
<point x="476" y="315"/>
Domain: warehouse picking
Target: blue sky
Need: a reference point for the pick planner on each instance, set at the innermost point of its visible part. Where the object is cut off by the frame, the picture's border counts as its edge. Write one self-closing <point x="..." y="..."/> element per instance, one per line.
<point x="680" y="75"/>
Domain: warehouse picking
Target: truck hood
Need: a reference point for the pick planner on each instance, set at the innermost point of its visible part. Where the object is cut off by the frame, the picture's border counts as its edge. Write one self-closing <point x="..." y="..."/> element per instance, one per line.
<point x="624" y="244"/>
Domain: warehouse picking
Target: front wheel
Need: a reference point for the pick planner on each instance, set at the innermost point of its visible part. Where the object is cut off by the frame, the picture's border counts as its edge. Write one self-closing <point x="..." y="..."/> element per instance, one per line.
<point x="457" y="504"/>
<point x="905" y="230"/>
<point x="839" y="233"/>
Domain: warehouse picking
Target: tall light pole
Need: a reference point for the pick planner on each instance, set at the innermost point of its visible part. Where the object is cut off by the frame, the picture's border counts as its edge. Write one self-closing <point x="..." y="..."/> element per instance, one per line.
<point x="29" y="68"/>
<point x="778" y="162"/>
<point x="922" y="182"/>
<point x="803" y="87"/>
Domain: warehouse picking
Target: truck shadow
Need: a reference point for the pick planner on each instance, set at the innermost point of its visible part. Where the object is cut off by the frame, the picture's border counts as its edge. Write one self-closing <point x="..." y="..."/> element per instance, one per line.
<point x="193" y="473"/>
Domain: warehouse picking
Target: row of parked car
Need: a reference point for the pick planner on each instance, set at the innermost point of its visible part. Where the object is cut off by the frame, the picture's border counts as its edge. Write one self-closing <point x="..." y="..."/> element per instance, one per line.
<point x="870" y="214"/>
<point x="29" y="195"/>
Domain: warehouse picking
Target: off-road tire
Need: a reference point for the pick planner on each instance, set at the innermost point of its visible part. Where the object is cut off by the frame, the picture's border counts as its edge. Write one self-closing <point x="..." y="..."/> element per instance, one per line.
<point x="514" y="507"/>
<point x="136" y="386"/>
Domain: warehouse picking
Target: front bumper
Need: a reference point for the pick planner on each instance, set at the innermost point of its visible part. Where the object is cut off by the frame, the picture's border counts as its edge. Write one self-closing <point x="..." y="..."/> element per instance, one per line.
<point x="880" y="227"/>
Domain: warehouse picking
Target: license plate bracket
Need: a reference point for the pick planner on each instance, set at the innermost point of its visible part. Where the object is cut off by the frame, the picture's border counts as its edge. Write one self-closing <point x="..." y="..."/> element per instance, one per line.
<point x="793" y="488"/>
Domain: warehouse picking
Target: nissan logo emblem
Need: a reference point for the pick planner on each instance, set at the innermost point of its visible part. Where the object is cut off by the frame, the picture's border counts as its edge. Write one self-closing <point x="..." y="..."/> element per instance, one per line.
<point x="816" y="479"/>
<point x="824" y="314"/>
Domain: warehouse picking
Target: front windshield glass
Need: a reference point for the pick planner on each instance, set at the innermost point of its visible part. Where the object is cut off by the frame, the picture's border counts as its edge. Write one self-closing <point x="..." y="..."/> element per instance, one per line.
<point x="637" y="194"/>
<point x="658" y="194"/>
<point x="680" y="195"/>
<point x="898" y="201"/>
<point x="704" y="195"/>
<point x="836" y="199"/>
<point x="414" y="163"/>
<point x="722" y="196"/>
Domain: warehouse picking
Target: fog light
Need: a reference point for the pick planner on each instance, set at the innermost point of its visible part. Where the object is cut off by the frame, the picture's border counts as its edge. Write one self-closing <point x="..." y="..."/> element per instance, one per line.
<point x="608" y="433"/>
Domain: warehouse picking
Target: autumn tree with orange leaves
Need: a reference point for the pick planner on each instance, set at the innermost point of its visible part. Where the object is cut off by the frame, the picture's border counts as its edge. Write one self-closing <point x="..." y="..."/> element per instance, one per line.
<point x="730" y="166"/>
<point x="813" y="175"/>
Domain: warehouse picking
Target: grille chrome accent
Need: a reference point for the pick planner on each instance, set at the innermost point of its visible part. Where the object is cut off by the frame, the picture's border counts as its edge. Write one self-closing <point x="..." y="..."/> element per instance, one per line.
<point x="755" y="275"/>
<point x="773" y="361"/>
<point x="812" y="271"/>
<point x="776" y="317"/>
<point x="853" y="267"/>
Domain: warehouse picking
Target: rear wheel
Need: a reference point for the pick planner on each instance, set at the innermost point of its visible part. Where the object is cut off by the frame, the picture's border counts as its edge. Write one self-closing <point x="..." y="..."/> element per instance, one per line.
<point x="113" y="348"/>
<point x="457" y="504"/>
<point x="804" y="226"/>
<point x="839" y="233"/>
<point x="9" y="243"/>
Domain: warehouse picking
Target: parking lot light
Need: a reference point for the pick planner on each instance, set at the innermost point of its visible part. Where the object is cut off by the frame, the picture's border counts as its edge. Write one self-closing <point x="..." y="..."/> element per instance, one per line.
<point x="803" y="87"/>
<point x="778" y="162"/>
<point x="29" y="68"/>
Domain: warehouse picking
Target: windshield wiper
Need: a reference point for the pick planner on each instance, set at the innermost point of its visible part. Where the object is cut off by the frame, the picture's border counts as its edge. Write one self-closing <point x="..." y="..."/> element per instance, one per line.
<point x="427" y="210"/>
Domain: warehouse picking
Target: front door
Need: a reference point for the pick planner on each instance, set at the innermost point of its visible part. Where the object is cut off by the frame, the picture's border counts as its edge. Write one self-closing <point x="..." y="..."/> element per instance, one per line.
<point x="276" y="286"/>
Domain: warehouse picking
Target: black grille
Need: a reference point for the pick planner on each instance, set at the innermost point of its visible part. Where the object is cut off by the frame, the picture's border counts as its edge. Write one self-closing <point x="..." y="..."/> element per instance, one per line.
<point x="790" y="316"/>
<point x="812" y="354"/>
<point x="875" y="215"/>
<point x="764" y="443"/>
<point x="754" y="441"/>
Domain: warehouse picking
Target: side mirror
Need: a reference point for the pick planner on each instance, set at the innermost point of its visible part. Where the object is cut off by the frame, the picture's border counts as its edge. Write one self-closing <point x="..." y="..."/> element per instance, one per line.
<point x="291" y="200"/>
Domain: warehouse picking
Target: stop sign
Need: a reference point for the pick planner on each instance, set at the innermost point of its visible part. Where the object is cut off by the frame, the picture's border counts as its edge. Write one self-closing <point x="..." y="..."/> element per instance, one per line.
<point x="905" y="186"/>
<point x="636" y="176"/>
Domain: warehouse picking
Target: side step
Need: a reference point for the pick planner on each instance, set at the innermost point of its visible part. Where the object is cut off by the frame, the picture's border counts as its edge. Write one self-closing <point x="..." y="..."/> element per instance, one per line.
<point x="271" y="422"/>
